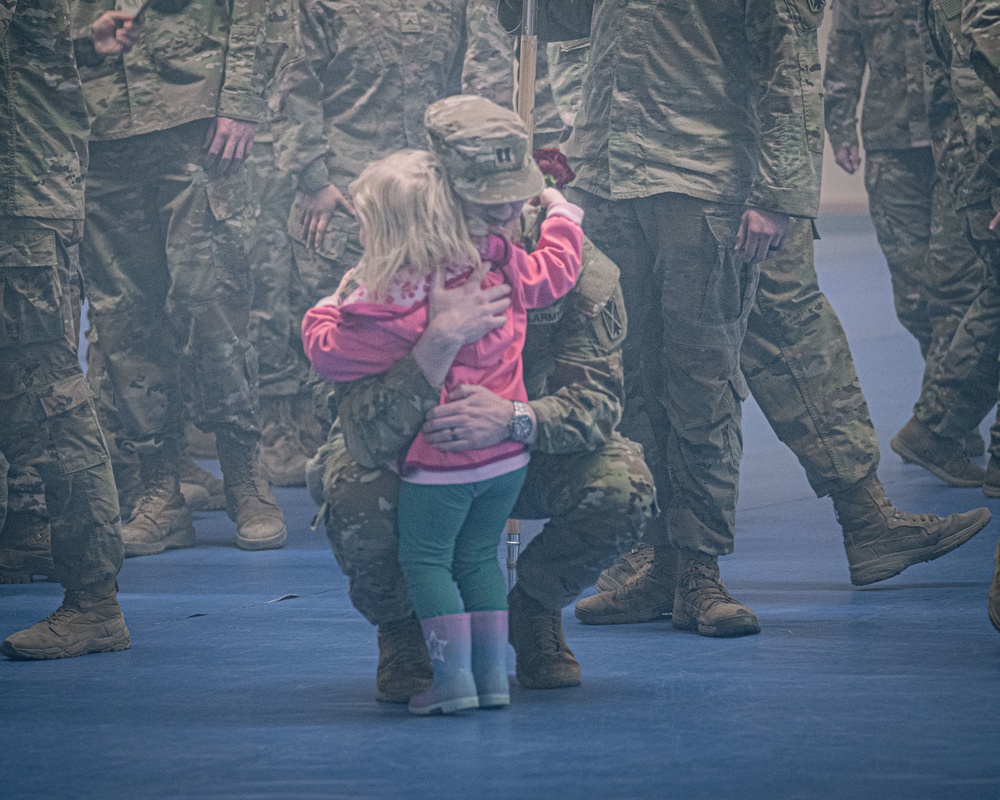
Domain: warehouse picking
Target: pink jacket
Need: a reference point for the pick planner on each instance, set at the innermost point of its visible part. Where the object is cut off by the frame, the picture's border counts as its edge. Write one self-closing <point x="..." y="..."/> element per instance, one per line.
<point x="349" y="337"/>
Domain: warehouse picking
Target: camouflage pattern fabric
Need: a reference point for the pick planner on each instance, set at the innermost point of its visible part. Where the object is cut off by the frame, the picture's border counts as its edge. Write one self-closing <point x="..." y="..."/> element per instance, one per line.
<point x="965" y="124"/>
<point x="883" y="37"/>
<point x="166" y="271"/>
<point x="278" y="290"/>
<point x="981" y="25"/>
<point x="719" y="68"/>
<point x="49" y="420"/>
<point x="567" y="64"/>
<point x="195" y="60"/>
<point x="681" y="183"/>
<point x="795" y="359"/>
<point x="548" y="124"/>
<point x="592" y="483"/>
<point x="44" y="152"/>
<point x="355" y="91"/>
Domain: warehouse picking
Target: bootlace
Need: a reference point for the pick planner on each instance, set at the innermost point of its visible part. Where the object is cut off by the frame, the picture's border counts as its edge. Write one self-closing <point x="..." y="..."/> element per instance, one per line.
<point x="69" y="609"/>
<point x="914" y="519"/>
<point x="547" y="630"/>
<point x="706" y="582"/>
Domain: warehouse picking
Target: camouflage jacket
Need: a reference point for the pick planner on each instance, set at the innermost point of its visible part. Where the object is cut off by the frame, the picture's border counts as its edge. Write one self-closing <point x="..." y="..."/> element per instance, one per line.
<point x="981" y="24"/>
<point x="883" y="36"/>
<point x="964" y="115"/>
<point x="572" y="371"/>
<point x="195" y="59"/>
<point x="716" y="100"/>
<point x="43" y="117"/>
<point x="366" y="71"/>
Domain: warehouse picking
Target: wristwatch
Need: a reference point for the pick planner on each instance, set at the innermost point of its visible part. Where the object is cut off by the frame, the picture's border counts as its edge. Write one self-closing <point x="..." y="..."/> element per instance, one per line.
<point x="521" y="425"/>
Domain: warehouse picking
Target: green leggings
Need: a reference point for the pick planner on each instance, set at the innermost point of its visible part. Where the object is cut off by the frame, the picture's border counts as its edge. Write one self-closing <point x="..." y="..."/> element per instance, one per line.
<point x="449" y="534"/>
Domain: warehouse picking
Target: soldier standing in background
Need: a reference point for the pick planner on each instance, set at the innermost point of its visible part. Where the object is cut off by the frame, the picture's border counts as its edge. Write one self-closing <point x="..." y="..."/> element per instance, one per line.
<point x="356" y="93"/>
<point x="48" y="418"/>
<point x="164" y="255"/>
<point x="935" y="272"/>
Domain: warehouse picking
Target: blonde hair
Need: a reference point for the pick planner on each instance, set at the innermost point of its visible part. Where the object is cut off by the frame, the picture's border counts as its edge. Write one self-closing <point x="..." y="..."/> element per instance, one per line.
<point x="412" y="219"/>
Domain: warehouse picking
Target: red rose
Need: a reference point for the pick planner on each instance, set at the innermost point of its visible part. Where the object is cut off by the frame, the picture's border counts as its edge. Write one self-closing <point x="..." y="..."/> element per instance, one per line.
<point x="554" y="167"/>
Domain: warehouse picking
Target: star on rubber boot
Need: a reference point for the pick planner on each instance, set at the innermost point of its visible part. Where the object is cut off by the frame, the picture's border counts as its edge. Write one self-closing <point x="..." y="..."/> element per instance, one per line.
<point x="882" y="541"/>
<point x="544" y="660"/>
<point x="404" y="668"/>
<point x="647" y="595"/>
<point x="449" y="644"/>
<point x="945" y="458"/>
<point x="160" y="520"/>
<point x="703" y="604"/>
<point x="260" y="525"/>
<point x="88" y="621"/>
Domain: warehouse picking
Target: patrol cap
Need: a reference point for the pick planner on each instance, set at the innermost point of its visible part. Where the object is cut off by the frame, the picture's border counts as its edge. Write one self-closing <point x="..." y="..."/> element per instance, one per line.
<point x="484" y="150"/>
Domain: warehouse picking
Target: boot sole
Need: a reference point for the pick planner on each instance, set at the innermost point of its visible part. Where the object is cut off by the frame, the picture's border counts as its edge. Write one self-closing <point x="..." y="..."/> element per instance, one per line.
<point x="991" y="491"/>
<point x="725" y="629"/>
<point x="888" y="566"/>
<point x="620" y="618"/>
<point x="494" y="700"/>
<point x="181" y="536"/>
<point x="271" y="543"/>
<point x="912" y="458"/>
<point x="107" y="644"/>
<point x="547" y="683"/>
<point x="447" y="706"/>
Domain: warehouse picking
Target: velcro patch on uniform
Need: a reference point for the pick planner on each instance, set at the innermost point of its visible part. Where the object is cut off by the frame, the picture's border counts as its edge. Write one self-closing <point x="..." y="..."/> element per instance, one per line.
<point x="950" y="8"/>
<point x="545" y="316"/>
<point x="409" y="22"/>
<point x="612" y="320"/>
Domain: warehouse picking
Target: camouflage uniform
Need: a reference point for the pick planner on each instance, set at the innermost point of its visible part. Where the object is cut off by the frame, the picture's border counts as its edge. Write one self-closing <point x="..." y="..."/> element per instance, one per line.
<point x="358" y="92"/>
<point x="935" y="272"/>
<point x="964" y="119"/>
<point x="48" y="416"/>
<point x="567" y="63"/>
<point x="590" y="482"/>
<point x="164" y="256"/>
<point x="679" y="197"/>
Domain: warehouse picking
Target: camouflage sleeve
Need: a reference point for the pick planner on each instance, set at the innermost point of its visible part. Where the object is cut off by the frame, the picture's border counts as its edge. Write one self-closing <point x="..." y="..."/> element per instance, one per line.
<point x="845" y="69"/>
<point x="244" y="79"/>
<point x="380" y="414"/>
<point x="586" y="388"/>
<point x="7" y="9"/>
<point x="300" y="142"/>
<point x="981" y="24"/>
<point x="488" y="69"/>
<point x="782" y="37"/>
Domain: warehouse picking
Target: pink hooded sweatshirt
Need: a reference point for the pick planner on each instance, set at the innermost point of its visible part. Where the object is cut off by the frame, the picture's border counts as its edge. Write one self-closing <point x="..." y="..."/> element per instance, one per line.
<point x="349" y="337"/>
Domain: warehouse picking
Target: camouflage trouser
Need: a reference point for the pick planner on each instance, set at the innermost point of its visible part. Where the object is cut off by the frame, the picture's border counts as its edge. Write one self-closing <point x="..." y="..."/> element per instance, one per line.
<point x="48" y="417"/>
<point x="275" y="324"/>
<point x="596" y="503"/>
<point x="964" y="386"/>
<point x="798" y="365"/>
<point x="320" y="272"/>
<point x="688" y="299"/>
<point x="166" y="272"/>
<point x="935" y="272"/>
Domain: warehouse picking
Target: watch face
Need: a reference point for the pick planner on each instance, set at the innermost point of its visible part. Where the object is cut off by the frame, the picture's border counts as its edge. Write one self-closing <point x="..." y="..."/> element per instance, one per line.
<point x="520" y="427"/>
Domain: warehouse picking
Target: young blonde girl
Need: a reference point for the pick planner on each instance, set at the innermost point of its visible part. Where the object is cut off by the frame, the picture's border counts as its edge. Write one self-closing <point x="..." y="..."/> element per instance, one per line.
<point x="452" y="504"/>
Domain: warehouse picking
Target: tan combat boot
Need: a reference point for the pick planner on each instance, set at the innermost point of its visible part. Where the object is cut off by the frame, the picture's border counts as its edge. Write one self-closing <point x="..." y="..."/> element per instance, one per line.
<point x="88" y="621"/>
<point x="544" y="660"/>
<point x="404" y="668"/>
<point x="282" y="457"/>
<point x="945" y="458"/>
<point x="160" y="520"/>
<point x="991" y="483"/>
<point x="702" y="602"/>
<point x="260" y="525"/>
<point x="994" y="594"/>
<point x="25" y="547"/>
<point x="201" y="489"/>
<point x="882" y="541"/>
<point x="644" y="595"/>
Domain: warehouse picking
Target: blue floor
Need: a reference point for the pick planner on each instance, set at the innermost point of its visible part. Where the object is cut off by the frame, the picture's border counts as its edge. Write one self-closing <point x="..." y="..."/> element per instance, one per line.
<point x="251" y="676"/>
